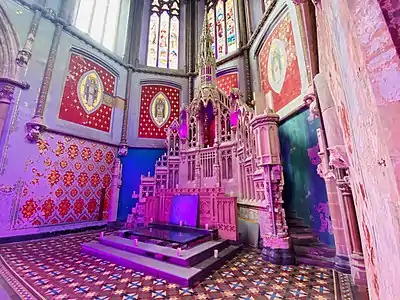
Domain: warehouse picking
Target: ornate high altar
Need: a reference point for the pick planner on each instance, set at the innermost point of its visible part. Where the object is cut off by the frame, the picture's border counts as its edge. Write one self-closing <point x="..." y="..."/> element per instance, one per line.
<point x="228" y="153"/>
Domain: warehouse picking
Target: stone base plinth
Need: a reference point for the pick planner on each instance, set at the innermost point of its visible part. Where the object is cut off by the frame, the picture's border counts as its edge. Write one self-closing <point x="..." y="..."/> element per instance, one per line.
<point x="279" y="256"/>
<point x="342" y="264"/>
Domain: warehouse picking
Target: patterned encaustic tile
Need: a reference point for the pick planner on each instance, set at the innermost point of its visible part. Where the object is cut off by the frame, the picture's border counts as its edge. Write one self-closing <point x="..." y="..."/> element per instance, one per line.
<point x="56" y="269"/>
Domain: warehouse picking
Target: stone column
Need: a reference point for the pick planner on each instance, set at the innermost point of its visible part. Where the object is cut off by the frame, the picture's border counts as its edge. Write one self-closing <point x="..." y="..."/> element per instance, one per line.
<point x="24" y="55"/>
<point x="36" y="126"/>
<point x="115" y="187"/>
<point x="6" y="97"/>
<point x="277" y="247"/>
<point x="7" y="88"/>
<point x="243" y="39"/>
<point x="331" y="136"/>
<point x="338" y="162"/>
<point x="123" y="145"/>
<point x="339" y="233"/>
<point x="356" y="253"/>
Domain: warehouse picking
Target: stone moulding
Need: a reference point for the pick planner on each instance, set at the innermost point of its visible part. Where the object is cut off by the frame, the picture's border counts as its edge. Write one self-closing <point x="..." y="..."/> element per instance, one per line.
<point x="51" y="16"/>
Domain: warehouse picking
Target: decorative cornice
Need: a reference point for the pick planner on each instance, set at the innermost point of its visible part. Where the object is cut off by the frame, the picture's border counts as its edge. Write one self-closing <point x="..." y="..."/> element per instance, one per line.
<point x="7" y="88"/>
<point x="22" y="85"/>
<point x="264" y="118"/>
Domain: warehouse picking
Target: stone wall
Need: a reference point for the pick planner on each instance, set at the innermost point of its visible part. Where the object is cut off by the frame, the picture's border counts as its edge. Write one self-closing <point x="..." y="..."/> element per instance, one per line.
<point x="358" y="58"/>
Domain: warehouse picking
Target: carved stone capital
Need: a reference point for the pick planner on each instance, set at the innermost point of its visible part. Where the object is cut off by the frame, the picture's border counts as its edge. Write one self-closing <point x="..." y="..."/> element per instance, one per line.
<point x="23" y="57"/>
<point x="123" y="149"/>
<point x="338" y="157"/>
<point x="325" y="172"/>
<point x="310" y="100"/>
<point x="343" y="186"/>
<point x="6" y="93"/>
<point x="34" y="129"/>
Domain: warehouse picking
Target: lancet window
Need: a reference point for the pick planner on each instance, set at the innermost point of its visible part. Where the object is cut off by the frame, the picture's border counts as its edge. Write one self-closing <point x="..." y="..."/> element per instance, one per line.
<point x="163" y="36"/>
<point x="222" y="22"/>
<point x="101" y="19"/>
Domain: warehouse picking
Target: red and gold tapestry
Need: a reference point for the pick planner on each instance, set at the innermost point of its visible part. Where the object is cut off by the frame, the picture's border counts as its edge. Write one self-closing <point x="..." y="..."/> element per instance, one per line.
<point x="159" y="106"/>
<point x="69" y="180"/>
<point x="228" y="81"/>
<point x="279" y="67"/>
<point x="88" y="95"/>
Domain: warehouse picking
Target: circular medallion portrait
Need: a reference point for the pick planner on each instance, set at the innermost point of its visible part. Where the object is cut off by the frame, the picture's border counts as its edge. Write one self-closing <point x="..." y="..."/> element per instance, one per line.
<point x="90" y="91"/>
<point x="160" y="109"/>
<point x="277" y="65"/>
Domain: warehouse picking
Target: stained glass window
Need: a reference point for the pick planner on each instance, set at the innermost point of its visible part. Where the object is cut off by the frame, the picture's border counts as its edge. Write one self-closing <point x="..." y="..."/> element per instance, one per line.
<point x="222" y="23"/>
<point x="102" y="20"/>
<point x="163" y="38"/>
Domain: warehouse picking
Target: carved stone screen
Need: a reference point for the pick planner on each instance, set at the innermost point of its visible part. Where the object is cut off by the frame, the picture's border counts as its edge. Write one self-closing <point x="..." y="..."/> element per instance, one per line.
<point x="185" y="208"/>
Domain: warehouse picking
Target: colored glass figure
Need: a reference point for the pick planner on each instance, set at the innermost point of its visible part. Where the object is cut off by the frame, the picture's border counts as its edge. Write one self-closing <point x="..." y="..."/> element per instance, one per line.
<point x="173" y="43"/>
<point x="221" y="32"/>
<point x="153" y="41"/>
<point x="163" y="44"/>
<point x="163" y="37"/>
<point x="211" y="24"/>
<point x="222" y="23"/>
<point x="230" y="26"/>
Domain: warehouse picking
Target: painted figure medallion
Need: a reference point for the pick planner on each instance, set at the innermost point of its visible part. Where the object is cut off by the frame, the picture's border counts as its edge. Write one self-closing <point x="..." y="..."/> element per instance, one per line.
<point x="160" y="109"/>
<point x="90" y="91"/>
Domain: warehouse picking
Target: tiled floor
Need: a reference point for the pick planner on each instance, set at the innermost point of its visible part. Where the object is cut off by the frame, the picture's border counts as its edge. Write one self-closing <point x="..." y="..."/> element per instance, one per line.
<point x="56" y="269"/>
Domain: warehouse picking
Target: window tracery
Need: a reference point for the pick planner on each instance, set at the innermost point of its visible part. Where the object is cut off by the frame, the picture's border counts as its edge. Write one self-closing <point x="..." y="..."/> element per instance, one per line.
<point x="222" y="23"/>
<point x="163" y="35"/>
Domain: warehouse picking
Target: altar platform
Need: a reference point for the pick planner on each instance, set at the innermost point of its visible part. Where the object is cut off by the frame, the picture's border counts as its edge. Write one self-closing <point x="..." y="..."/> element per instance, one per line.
<point x="185" y="268"/>
<point x="184" y="244"/>
<point x="180" y="236"/>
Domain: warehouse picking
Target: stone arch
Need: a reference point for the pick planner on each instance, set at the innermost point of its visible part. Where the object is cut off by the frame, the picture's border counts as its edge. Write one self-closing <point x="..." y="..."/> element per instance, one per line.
<point x="9" y="46"/>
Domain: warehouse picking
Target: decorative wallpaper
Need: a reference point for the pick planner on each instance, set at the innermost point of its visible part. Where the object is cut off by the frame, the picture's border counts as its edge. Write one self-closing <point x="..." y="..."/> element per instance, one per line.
<point x="279" y="67"/>
<point x="228" y="81"/>
<point x="159" y="106"/>
<point x="304" y="192"/>
<point x="68" y="180"/>
<point x="88" y="96"/>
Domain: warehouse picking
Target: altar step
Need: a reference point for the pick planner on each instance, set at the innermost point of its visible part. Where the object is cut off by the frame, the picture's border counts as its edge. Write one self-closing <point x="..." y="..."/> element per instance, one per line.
<point x="316" y="254"/>
<point x="188" y="258"/>
<point x="185" y="276"/>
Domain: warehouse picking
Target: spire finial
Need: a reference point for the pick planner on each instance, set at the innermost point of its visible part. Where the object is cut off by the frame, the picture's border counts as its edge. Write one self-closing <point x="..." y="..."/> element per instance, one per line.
<point x="206" y="58"/>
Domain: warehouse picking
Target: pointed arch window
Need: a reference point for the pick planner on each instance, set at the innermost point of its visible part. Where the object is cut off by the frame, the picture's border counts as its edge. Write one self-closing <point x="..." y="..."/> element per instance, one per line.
<point x="163" y="37"/>
<point x="222" y="24"/>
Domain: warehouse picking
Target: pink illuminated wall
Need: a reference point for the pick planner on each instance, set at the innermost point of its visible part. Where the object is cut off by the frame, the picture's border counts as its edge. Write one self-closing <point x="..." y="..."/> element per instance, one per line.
<point x="63" y="182"/>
